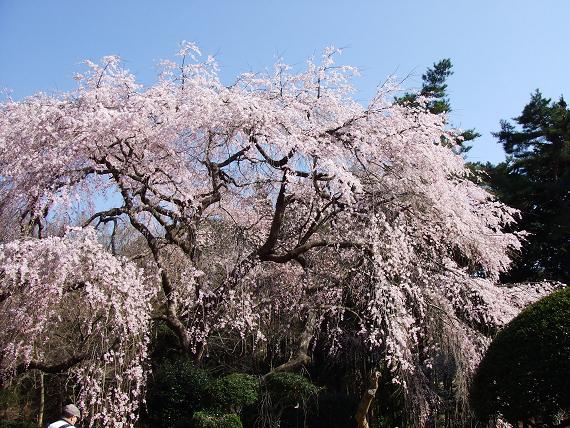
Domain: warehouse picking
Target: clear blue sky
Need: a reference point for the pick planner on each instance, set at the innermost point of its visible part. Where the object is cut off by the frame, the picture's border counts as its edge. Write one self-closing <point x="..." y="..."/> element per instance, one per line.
<point x="501" y="49"/>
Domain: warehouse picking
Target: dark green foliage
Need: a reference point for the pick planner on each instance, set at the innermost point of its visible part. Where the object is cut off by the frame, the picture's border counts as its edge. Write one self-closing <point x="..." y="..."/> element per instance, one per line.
<point x="434" y="86"/>
<point x="216" y="420"/>
<point x="536" y="180"/>
<point x="177" y="389"/>
<point x="10" y="400"/>
<point x="165" y="344"/>
<point x="12" y="424"/>
<point x="20" y="401"/>
<point x="234" y="391"/>
<point x="290" y="389"/>
<point x="335" y="410"/>
<point x="286" y="400"/>
<point x="525" y="374"/>
<point x="179" y="392"/>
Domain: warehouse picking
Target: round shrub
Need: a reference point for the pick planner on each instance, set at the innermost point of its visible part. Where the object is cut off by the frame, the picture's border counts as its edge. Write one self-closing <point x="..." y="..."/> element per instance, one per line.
<point x="233" y="392"/>
<point x="289" y="389"/>
<point x="215" y="420"/>
<point x="525" y="374"/>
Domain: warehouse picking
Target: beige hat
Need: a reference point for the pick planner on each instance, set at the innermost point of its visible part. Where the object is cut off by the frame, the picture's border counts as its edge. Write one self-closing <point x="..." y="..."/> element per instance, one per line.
<point x="71" y="410"/>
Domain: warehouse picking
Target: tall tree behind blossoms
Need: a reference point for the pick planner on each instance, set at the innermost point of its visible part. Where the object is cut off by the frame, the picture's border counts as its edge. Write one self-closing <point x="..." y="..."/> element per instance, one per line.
<point x="535" y="179"/>
<point x="300" y="180"/>
<point x="434" y="87"/>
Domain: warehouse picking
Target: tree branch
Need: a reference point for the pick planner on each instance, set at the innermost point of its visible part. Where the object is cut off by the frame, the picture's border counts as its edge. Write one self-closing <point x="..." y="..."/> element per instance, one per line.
<point x="300" y="249"/>
<point x="277" y="222"/>
<point x="54" y="368"/>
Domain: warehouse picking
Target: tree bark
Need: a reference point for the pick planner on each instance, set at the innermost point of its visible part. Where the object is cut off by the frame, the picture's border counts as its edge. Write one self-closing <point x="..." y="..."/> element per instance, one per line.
<point x="366" y="400"/>
<point x="301" y="357"/>
<point x="42" y="401"/>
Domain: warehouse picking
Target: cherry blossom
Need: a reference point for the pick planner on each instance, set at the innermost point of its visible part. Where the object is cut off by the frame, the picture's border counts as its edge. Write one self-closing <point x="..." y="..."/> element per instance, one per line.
<point x="276" y="196"/>
<point x="68" y="304"/>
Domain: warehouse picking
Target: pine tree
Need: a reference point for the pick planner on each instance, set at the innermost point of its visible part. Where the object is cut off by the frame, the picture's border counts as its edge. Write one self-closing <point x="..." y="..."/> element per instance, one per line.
<point x="434" y="86"/>
<point x="535" y="179"/>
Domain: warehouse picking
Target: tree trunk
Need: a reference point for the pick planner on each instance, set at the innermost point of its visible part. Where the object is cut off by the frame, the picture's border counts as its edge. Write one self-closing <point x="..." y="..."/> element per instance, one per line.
<point x="366" y="400"/>
<point x="301" y="356"/>
<point x="42" y="401"/>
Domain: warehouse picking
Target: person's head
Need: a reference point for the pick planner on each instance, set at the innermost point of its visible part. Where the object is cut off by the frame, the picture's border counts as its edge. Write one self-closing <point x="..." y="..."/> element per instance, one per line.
<point x="71" y="413"/>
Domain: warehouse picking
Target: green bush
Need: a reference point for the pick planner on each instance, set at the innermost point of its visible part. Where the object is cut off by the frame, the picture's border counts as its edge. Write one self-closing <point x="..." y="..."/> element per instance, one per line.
<point x="176" y="391"/>
<point x="14" y="424"/>
<point x="290" y="389"/>
<point x="216" y="420"/>
<point x="234" y="391"/>
<point x="334" y="410"/>
<point x="525" y="374"/>
<point x="164" y="344"/>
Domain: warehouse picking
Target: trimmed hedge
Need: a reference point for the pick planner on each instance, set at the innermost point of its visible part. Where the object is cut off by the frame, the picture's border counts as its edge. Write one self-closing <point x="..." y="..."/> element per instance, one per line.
<point x="216" y="420"/>
<point x="290" y="389"/>
<point x="177" y="390"/>
<point x="525" y="374"/>
<point x="234" y="391"/>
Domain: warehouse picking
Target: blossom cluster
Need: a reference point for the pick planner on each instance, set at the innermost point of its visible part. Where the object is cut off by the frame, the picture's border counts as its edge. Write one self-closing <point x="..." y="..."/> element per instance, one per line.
<point x="67" y="299"/>
<point x="277" y="205"/>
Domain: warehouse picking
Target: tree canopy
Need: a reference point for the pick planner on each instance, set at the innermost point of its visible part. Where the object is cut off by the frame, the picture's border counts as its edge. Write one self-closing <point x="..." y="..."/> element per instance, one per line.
<point x="276" y="207"/>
